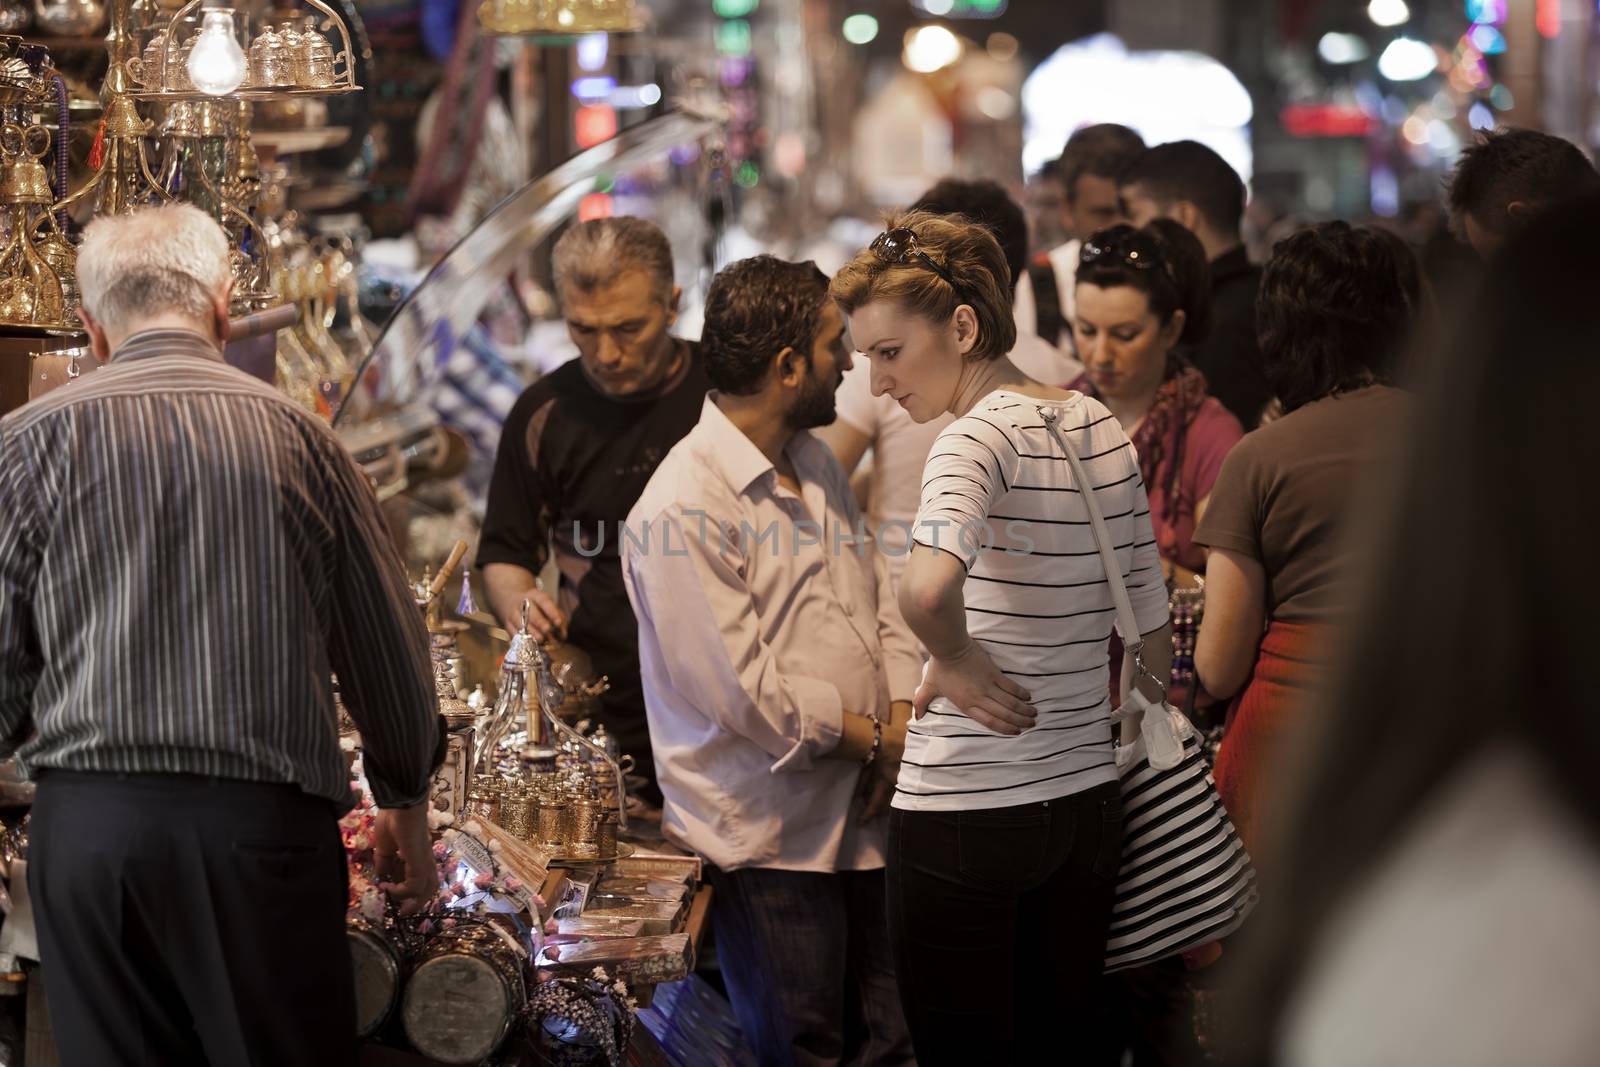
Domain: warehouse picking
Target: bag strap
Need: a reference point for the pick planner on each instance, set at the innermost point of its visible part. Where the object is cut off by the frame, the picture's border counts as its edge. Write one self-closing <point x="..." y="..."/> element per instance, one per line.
<point x="1127" y="622"/>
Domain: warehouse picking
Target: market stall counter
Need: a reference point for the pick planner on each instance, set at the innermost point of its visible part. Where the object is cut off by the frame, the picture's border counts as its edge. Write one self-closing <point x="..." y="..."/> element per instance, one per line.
<point x="560" y="905"/>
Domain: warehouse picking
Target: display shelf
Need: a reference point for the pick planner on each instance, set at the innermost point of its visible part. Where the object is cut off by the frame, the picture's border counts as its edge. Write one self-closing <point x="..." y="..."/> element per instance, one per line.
<point x="285" y="142"/>
<point x="31" y="329"/>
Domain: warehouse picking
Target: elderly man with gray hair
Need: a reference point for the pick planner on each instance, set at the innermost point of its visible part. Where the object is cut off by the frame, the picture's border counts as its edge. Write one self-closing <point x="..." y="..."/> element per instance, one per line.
<point x="186" y="559"/>
<point x="579" y="447"/>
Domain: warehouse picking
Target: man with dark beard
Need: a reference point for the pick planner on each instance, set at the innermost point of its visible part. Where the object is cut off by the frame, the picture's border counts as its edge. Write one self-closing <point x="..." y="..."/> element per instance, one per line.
<point x="777" y="674"/>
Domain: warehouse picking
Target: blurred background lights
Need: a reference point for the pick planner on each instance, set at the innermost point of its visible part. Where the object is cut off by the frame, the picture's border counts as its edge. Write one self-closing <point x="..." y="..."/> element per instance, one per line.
<point x="1443" y="139"/>
<point x="1342" y="48"/>
<point x="995" y="103"/>
<point x="733" y="38"/>
<point x="593" y="88"/>
<point x="1002" y="47"/>
<point x="1492" y="11"/>
<point x="1488" y="40"/>
<point x="860" y="29"/>
<point x="1384" y="191"/>
<point x="1388" y="12"/>
<point x="592" y="51"/>
<point x="931" y="48"/>
<point x="1479" y="117"/>
<point x="1407" y="59"/>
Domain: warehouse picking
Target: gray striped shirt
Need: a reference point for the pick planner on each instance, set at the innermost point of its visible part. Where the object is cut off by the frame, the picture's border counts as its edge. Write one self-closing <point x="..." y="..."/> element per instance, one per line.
<point x="186" y="558"/>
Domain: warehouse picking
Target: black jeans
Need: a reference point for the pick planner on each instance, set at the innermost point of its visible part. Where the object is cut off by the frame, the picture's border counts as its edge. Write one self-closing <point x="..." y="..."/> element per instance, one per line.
<point x="998" y="920"/>
<point x="187" y="920"/>
<point x="806" y="959"/>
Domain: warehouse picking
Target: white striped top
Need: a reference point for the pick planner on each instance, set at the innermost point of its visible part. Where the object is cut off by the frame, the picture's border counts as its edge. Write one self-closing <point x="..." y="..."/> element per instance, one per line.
<point x="998" y="493"/>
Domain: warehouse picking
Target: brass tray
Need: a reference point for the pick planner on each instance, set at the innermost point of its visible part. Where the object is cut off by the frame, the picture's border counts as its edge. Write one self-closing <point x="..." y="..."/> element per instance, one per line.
<point x="259" y="93"/>
<point x="624" y="850"/>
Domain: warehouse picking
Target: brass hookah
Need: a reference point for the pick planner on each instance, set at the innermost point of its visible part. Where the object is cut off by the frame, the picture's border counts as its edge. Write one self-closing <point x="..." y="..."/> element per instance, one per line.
<point x="122" y="178"/>
<point x="512" y="710"/>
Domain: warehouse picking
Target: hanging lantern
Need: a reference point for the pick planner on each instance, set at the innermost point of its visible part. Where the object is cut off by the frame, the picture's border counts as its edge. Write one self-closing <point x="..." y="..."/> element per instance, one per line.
<point x="558" y="17"/>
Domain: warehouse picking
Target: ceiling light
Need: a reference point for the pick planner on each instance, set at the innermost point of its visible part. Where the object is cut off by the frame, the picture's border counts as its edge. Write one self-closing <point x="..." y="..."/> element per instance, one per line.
<point x="1388" y="12"/>
<point x="931" y="48"/>
<point x="1407" y="60"/>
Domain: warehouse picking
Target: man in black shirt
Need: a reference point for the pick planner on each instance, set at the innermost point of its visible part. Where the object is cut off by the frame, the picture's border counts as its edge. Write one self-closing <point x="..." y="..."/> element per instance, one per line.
<point x="577" y="450"/>
<point x="1188" y="182"/>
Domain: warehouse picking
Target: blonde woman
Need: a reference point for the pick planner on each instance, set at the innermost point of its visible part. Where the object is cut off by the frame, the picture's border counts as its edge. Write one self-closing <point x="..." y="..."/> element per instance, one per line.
<point x="1006" y="828"/>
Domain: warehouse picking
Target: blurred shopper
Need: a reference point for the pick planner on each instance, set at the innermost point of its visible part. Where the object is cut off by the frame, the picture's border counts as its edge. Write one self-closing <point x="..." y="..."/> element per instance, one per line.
<point x="1005" y="839"/>
<point x="1437" y="895"/>
<point x="577" y="450"/>
<point x="1510" y="176"/>
<point x="186" y="559"/>
<point x="1337" y="305"/>
<point x="1190" y="183"/>
<point x="1046" y="202"/>
<point x="1144" y="301"/>
<point x="1087" y="171"/>
<point x="900" y="444"/>
<point x="989" y="205"/>
<point x="778" y="675"/>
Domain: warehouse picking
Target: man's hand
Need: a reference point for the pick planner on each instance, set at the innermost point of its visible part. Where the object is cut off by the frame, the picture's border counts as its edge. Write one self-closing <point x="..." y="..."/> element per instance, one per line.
<point x="509" y="586"/>
<point x="404" y="857"/>
<point x="972" y="682"/>
<point x="544" y="617"/>
<point x="878" y="777"/>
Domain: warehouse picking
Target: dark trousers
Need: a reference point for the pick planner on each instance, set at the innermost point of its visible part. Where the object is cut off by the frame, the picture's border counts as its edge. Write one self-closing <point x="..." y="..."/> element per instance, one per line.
<point x="186" y="920"/>
<point x="998" y="920"/>
<point x="806" y="960"/>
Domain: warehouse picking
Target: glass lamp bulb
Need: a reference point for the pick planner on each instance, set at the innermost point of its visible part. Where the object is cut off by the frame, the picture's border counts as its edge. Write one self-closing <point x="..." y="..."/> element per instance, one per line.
<point x="217" y="64"/>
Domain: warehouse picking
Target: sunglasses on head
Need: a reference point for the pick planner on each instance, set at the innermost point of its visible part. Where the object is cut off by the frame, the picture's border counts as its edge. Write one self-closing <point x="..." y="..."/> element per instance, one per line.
<point x="899" y="246"/>
<point x="1126" y="246"/>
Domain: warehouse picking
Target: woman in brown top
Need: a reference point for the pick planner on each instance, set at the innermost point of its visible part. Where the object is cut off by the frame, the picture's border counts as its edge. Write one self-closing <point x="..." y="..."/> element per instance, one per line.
<point x="1336" y="304"/>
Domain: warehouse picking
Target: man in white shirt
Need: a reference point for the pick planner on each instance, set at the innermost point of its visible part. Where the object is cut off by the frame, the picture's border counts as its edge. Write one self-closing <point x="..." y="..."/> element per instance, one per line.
<point x="778" y="675"/>
<point x="1088" y="169"/>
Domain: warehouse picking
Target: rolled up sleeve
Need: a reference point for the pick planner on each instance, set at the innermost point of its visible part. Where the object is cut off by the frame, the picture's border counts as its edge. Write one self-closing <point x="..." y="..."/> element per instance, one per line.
<point x="971" y="466"/>
<point x="694" y="599"/>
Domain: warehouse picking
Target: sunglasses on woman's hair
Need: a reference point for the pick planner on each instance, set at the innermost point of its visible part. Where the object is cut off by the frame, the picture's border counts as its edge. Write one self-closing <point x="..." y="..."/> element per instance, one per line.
<point x="1126" y="246"/>
<point x="899" y="246"/>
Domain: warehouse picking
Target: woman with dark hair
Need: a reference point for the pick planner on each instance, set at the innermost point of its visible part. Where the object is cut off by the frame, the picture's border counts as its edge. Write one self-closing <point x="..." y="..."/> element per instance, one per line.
<point x="1144" y="296"/>
<point x="1436" y="894"/>
<point x="1337" y="304"/>
<point x="1005" y="835"/>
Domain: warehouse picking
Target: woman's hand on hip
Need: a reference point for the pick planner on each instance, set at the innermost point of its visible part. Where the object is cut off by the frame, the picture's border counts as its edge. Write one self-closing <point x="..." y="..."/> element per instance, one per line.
<point x="970" y="680"/>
